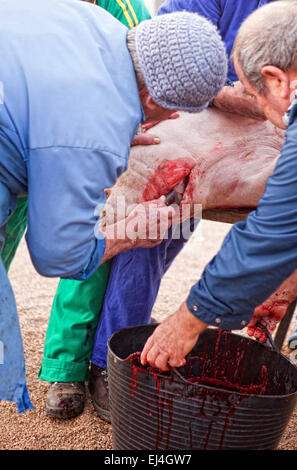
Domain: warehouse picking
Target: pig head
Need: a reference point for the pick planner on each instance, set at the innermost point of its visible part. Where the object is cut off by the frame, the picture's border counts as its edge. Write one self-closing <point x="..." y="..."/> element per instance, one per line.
<point x="221" y="160"/>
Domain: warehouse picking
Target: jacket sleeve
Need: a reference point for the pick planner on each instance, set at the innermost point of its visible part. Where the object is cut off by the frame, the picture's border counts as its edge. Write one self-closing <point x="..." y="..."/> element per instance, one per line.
<point x="66" y="196"/>
<point x="257" y="255"/>
<point x="210" y="9"/>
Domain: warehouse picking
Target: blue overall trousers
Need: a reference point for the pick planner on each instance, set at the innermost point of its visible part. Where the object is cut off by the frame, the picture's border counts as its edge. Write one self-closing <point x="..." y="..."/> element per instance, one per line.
<point x="12" y="364"/>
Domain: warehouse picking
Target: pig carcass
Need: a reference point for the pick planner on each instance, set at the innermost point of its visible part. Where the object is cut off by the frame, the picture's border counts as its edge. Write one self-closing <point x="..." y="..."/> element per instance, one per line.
<point x="225" y="161"/>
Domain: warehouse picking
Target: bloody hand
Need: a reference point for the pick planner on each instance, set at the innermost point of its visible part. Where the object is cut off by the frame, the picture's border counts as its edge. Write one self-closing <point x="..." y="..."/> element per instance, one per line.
<point x="274" y="309"/>
<point x="268" y="314"/>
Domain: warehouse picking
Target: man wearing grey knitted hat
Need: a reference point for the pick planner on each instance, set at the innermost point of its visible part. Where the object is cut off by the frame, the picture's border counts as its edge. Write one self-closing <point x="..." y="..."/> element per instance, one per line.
<point x="70" y="111"/>
<point x="180" y="63"/>
<point x="181" y="59"/>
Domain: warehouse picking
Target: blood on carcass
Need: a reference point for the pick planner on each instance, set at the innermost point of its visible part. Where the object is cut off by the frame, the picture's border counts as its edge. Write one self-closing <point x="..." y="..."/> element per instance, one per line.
<point x="168" y="174"/>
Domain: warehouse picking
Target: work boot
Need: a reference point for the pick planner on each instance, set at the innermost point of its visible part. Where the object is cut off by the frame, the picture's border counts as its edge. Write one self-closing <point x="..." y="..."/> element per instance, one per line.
<point x="98" y="387"/>
<point x="65" y="400"/>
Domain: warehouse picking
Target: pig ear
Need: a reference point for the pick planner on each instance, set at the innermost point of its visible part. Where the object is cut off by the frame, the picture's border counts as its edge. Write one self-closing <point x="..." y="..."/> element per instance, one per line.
<point x="107" y="192"/>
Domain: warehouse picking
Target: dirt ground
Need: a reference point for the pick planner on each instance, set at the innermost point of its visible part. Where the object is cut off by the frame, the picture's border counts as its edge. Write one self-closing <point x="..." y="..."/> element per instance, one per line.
<point x="34" y="295"/>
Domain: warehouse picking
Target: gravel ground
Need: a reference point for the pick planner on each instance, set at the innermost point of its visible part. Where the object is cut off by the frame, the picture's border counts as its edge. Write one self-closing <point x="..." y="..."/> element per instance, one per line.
<point x="34" y="294"/>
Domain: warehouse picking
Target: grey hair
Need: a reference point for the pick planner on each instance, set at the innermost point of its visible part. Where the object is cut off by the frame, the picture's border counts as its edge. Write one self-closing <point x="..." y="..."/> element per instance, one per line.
<point x="131" y="44"/>
<point x="267" y="37"/>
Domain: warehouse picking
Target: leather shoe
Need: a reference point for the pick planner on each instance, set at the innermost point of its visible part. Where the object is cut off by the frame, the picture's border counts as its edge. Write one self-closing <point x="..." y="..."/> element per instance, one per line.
<point x="98" y="387"/>
<point x="65" y="400"/>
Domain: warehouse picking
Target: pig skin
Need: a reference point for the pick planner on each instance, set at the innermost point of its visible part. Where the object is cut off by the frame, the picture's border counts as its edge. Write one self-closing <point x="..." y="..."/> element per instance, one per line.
<point x="227" y="159"/>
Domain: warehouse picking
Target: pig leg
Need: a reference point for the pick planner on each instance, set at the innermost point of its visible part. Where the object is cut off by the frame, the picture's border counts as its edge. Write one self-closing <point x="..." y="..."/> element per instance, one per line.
<point x="133" y="286"/>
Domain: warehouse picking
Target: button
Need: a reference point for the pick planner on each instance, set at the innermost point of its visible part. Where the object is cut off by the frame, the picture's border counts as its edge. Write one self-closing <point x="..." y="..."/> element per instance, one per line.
<point x="243" y="322"/>
<point x="195" y="308"/>
<point x="218" y="320"/>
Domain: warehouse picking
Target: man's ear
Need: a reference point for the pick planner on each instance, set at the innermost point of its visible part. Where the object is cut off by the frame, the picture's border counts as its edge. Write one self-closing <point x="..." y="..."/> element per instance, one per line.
<point x="150" y="104"/>
<point x="277" y="80"/>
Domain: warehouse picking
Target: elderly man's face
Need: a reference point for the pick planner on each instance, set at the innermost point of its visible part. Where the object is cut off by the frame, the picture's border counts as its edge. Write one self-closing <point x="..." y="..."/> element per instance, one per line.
<point x="274" y="103"/>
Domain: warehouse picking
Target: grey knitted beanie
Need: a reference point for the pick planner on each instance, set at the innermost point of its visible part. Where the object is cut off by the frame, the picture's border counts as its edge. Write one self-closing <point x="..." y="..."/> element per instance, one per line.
<point x="183" y="60"/>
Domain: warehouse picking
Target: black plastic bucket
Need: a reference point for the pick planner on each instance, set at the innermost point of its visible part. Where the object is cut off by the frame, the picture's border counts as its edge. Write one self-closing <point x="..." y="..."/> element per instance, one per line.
<point x="233" y="393"/>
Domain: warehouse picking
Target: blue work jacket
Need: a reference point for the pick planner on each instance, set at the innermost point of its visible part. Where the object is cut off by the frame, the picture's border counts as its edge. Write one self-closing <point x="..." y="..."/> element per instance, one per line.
<point x="69" y="108"/>
<point x="257" y="255"/>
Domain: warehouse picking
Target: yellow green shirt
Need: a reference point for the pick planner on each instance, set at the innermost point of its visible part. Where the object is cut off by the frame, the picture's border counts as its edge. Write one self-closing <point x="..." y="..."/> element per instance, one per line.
<point x="129" y="12"/>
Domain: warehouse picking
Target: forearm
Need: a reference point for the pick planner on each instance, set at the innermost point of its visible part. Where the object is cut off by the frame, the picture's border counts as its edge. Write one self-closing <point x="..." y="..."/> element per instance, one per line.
<point x="232" y="100"/>
<point x="239" y="279"/>
<point x="116" y="240"/>
<point x="287" y="291"/>
<point x="190" y="321"/>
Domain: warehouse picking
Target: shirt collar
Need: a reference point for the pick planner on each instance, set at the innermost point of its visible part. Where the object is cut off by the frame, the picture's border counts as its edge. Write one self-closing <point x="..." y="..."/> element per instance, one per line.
<point x="286" y="116"/>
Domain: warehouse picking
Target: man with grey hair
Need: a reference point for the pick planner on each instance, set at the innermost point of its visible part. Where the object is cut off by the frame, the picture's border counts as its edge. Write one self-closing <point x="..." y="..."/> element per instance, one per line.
<point x="259" y="254"/>
<point x="251" y="55"/>
<point x="70" y="111"/>
<point x="275" y="46"/>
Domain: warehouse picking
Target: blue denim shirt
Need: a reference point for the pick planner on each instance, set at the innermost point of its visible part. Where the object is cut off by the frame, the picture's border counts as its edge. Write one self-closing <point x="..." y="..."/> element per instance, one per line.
<point x="257" y="255"/>
<point x="227" y="15"/>
<point x="69" y="108"/>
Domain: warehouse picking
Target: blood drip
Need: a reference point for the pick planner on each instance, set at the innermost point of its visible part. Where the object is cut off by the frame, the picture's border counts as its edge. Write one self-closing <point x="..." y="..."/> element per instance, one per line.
<point x="161" y="402"/>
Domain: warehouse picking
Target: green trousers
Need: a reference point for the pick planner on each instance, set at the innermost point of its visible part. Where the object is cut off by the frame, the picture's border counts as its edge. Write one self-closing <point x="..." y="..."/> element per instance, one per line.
<point x="72" y="326"/>
<point x="75" y="312"/>
<point x="14" y="231"/>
